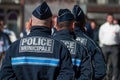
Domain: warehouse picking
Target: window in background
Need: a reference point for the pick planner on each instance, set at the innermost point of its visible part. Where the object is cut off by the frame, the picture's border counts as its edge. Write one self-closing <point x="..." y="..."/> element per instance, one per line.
<point x="92" y="1"/>
<point x="113" y="1"/>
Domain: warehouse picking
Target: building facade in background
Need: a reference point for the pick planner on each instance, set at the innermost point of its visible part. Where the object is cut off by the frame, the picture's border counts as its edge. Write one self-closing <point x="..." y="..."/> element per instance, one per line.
<point x="98" y="9"/>
<point x="17" y="12"/>
<point x="94" y="9"/>
<point x="12" y="12"/>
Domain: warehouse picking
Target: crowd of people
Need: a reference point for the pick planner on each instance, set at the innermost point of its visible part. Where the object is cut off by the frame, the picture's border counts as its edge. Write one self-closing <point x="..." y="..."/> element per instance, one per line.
<point x="61" y="47"/>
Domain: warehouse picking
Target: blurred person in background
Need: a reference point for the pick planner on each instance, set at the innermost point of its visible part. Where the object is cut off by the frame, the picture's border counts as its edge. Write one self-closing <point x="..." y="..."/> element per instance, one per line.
<point x="95" y="31"/>
<point x="26" y="31"/>
<point x="109" y="37"/>
<point x="97" y="58"/>
<point x="4" y="40"/>
<point x="10" y="33"/>
<point x="115" y="22"/>
<point x="88" y="29"/>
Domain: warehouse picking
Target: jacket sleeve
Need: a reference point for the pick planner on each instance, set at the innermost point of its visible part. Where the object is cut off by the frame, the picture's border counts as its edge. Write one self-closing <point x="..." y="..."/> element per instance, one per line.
<point x="86" y="67"/>
<point x="6" y="71"/>
<point x="100" y="34"/>
<point x="99" y="64"/>
<point x="66" y="71"/>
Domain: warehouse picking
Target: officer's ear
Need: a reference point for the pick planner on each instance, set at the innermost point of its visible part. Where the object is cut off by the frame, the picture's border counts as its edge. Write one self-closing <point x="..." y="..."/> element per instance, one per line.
<point x="30" y="22"/>
<point x="54" y="21"/>
<point x="57" y="26"/>
<point x="72" y="24"/>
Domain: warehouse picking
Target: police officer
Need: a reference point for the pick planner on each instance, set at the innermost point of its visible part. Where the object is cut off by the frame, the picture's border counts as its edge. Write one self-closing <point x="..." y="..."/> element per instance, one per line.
<point x="38" y="56"/>
<point x="97" y="58"/>
<point x="80" y="57"/>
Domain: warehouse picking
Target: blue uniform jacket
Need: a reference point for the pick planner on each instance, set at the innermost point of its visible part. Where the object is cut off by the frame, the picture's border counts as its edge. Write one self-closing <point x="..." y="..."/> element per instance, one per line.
<point x="80" y="57"/>
<point x="98" y="61"/>
<point x="37" y="57"/>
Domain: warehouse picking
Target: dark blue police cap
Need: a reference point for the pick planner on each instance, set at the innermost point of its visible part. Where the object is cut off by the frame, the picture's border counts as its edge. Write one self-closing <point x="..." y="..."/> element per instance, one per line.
<point x="42" y="11"/>
<point x="65" y="15"/>
<point x="78" y="13"/>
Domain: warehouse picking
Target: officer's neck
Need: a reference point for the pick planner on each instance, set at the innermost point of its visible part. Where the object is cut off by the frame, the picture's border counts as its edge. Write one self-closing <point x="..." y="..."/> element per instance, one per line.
<point x="63" y="28"/>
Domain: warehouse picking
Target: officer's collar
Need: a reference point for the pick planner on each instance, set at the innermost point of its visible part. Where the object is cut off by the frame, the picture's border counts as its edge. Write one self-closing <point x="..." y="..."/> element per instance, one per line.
<point x="64" y="31"/>
<point x="41" y="29"/>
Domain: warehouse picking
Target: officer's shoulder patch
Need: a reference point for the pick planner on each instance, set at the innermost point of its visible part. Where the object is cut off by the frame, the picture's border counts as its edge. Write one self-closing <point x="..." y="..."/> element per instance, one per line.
<point x="83" y="41"/>
<point x="36" y="44"/>
<point x="71" y="45"/>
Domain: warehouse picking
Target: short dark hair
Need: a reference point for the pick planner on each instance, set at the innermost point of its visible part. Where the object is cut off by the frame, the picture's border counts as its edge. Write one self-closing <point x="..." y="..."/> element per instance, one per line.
<point x="93" y="21"/>
<point x="80" y="23"/>
<point x="109" y="14"/>
<point x="65" y="24"/>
